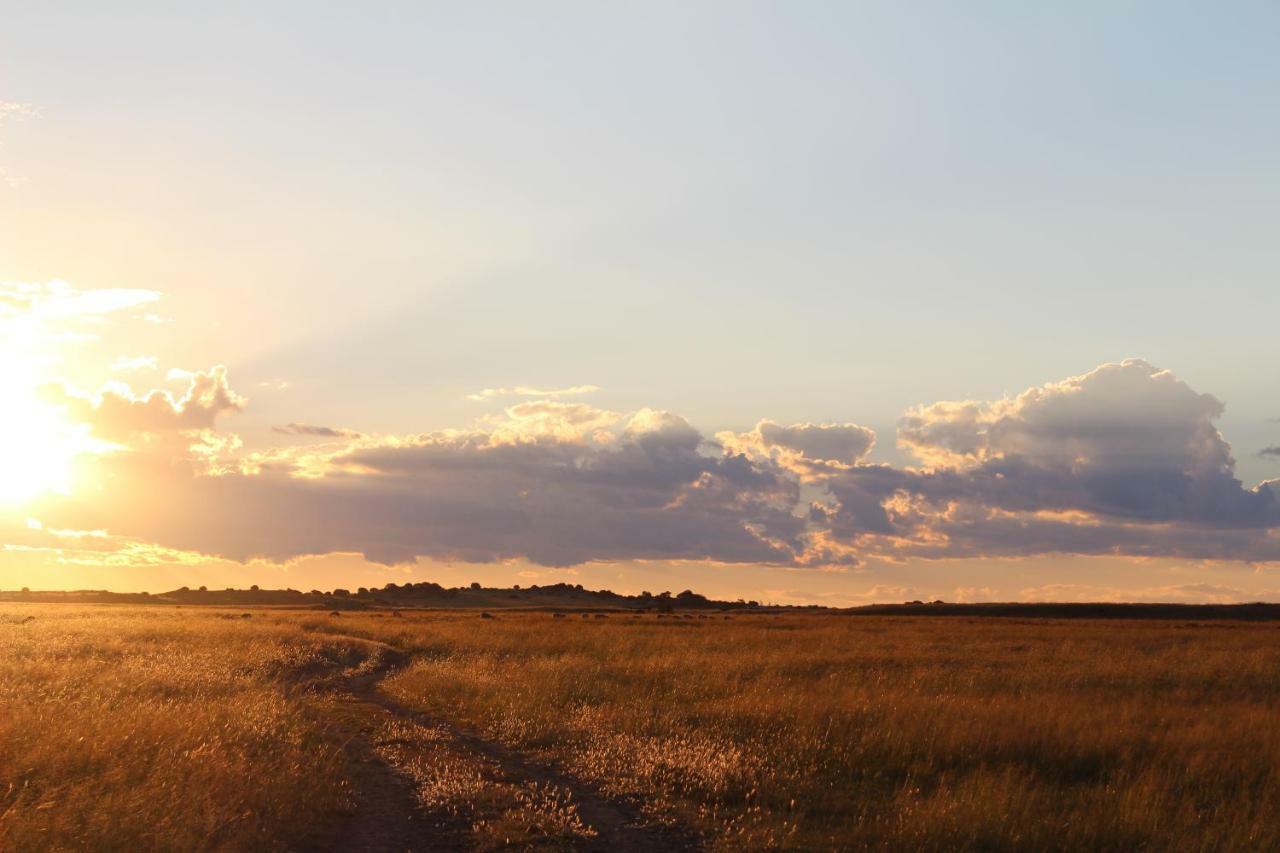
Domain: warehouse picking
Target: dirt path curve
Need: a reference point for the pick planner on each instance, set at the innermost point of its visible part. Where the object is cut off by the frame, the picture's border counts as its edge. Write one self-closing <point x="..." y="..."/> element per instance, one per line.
<point x="386" y="812"/>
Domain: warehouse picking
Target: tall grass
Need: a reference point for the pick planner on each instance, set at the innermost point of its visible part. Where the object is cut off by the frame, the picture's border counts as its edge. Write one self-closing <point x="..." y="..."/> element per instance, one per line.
<point x="818" y="732"/>
<point x="146" y="729"/>
<point x="160" y="728"/>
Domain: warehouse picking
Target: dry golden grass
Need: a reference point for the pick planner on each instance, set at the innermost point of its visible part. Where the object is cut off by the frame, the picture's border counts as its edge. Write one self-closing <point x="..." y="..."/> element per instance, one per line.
<point x="157" y="728"/>
<point x="135" y="729"/>
<point x="820" y="732"/>
<point x="499" y="812"/>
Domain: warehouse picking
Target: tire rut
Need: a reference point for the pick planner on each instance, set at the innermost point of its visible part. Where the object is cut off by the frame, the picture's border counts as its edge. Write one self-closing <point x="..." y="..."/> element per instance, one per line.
<point x="384" y="813"/>
<point x="389" y="814"/>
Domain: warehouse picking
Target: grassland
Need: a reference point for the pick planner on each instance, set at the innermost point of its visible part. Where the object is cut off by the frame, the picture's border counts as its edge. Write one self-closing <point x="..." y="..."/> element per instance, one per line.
<point x="195" y="728"/>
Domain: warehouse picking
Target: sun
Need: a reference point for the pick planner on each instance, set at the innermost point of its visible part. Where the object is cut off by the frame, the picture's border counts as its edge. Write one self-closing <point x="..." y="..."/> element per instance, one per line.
<point x="38" y="447"/>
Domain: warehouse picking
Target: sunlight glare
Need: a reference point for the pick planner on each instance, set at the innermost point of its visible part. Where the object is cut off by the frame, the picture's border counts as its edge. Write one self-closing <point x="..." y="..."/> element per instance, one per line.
<point x="38" y="447"/>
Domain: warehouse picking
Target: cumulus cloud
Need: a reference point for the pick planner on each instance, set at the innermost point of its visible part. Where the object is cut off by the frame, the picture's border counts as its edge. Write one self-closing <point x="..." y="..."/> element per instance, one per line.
<point x="551" y="419"/>
<point x="115" y="414"/>
<point x="658" y="429"/>
<point x="556" y="500"/>
<point x="1126" y="440"/>
<point x="1270" y="450"/>
<point x="1128" y="413"/>
<point x="1123" y="460"/>
<point x="529" y="391"/>
<point x="811" y="451"/>
<point x="830" y="442"/>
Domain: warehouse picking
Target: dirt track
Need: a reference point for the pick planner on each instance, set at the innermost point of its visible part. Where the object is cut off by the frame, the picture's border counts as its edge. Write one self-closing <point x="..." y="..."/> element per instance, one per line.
<point x="387" y="812"/>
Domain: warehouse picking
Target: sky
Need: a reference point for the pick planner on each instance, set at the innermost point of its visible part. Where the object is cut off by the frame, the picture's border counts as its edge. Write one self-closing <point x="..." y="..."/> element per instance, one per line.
<point x="806" y="303"/>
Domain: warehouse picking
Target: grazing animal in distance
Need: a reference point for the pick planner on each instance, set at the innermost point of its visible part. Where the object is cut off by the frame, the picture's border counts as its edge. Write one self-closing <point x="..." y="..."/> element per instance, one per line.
<point x="396" y="614"/>
<point x="557" y="615"/>
<point x="486" y="615"/>
<point x="334" y="614"/>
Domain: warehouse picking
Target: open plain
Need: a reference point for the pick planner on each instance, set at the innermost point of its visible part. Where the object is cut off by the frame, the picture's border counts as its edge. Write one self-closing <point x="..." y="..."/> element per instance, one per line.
<point x="206" y="728"/>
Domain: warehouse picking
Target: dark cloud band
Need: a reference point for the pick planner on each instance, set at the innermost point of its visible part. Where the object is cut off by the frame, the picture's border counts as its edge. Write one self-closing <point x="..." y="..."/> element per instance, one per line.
<point x="1122" y="460"/>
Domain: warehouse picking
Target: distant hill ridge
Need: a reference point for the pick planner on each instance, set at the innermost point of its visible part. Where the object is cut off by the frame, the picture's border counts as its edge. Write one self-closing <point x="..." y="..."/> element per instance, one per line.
<point x="425" y="594"/>
<point x="564" y="596"/>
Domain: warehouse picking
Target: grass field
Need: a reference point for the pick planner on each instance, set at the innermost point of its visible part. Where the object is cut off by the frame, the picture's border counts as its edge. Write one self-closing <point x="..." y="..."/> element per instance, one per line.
<point x="193" y="728"/>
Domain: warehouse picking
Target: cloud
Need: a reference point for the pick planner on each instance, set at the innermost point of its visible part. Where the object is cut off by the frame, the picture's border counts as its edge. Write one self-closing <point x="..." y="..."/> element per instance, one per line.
<point x="528" y="391"/>
<point x="1192" y="593"/>
<point x="11" y="110"/>
<point x="1125" y="440"/>
<point x="127" y="363"/>
<point x="877" y="594"/>
<point x="551" y="419"/>
<point x="812" y="451"/>
<point x="1122" y="460"/>
<point x="1272" y="450"/>
<point x="656" y="429"/>
<point x="35" y="319"/>
<point x="553" y="498"/>
<point x="115" y="414"/>
<point x="1129" y="413"/>
<point x="829" y="442"/>
<point x="313" y="430"/>
<point x="59" y="301"/>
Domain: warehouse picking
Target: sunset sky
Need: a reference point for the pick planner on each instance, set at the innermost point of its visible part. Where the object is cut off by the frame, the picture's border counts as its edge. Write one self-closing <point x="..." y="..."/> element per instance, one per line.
<point x="804" y="303"/>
